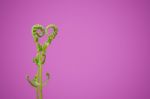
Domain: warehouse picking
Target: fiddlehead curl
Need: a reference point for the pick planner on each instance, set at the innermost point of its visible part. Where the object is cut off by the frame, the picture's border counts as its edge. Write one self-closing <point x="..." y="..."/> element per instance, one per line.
<point x="33" y="82"/>
<point x="51" y="36"/>
<point x="37" y="32"/>
<point x="47" y="78"/>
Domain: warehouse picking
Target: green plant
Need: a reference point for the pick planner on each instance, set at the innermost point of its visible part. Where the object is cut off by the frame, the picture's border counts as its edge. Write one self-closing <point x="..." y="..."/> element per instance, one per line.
<point x="39" y="31"/>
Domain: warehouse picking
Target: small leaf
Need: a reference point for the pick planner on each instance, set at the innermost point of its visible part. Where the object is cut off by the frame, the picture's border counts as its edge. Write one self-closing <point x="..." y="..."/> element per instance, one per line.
<point x="44" y="47"/>
<point x="49" y="39"/>
<point x="39" y="47"/>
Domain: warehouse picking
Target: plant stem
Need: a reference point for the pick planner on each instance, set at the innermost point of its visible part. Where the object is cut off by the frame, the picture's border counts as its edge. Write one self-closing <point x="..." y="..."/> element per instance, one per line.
<point x="40" y="82"/>
<point x="37" y="93"/>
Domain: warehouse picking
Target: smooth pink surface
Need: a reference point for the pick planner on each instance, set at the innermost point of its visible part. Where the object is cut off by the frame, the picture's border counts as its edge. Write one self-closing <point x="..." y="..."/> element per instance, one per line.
<point x="102" y="50"/>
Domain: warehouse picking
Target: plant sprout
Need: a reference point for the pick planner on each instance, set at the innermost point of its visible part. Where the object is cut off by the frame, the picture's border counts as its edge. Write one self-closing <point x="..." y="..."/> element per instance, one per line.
<point x="39" y="31"/>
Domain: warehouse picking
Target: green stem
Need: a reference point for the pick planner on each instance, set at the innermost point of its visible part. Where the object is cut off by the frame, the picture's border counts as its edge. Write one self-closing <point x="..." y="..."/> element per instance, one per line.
<point x="37" y="93"/>
<point x="40" y="82"/>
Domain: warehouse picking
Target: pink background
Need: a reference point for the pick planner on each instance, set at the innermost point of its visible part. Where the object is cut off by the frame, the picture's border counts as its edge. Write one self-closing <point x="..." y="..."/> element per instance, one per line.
<point x="102" y="50"/>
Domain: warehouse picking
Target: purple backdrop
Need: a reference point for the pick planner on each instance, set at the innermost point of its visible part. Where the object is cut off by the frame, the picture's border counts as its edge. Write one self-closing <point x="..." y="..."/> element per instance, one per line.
<point x="102" y="50"/>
